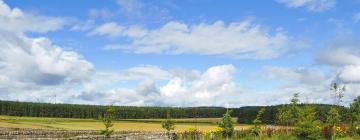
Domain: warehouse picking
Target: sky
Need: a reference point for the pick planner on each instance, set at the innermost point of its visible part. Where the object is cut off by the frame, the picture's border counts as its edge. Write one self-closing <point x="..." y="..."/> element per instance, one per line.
<point x="226" y="53"/>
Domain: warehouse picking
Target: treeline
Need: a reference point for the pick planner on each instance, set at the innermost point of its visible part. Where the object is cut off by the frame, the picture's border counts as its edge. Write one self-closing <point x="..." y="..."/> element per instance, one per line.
<point x="13" y="108"/>
<point x="247" y="114"/>
<point x="244" y="114"/>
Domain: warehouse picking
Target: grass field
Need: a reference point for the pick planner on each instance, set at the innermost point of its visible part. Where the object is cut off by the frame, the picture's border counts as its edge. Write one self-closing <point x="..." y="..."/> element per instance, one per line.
<point x="204" y="124"/>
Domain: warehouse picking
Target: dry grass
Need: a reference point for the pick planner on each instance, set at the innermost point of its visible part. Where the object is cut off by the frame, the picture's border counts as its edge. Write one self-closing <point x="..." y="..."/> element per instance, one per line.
<point x="205" y="124"/>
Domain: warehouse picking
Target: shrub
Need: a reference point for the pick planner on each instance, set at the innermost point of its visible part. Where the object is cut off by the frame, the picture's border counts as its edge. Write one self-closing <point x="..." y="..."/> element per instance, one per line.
<point x="340" y="131"/>
<point x="191" y="133"/>
<point x="308" y="127"/>
<point x="216" y="133"/>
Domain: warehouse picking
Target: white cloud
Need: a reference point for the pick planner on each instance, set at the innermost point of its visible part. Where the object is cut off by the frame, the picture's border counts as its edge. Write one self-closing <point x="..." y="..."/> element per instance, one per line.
<point x="215" y="86"/>
<point x="304" y="76"/>
<point x="83" y="26"/>
<point x="310" y="5"/>
<point x="111" y="29"/>
<point x="15" y="20"/>
<point x="312" y="84"/>
<point x="344" y="57"/>
<point x="350" y="73"/>
<point x="33" y="68"/>
<point x="243" y="39"/>
<point x="339" y="56"/>
<point x="38" y="60"/>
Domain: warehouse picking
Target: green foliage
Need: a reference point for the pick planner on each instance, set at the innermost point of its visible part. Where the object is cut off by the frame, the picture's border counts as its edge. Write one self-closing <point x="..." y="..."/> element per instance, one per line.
<point x="256" y="130"/>
<point x="168" y="124"/>
<point x="308" y="127"/>
<point x="355" y="112"/>
<point x="284" y="115"/>
<point x="289" y="114"/>
<point x="227" y="124"/>
<point x="13" y="108"/>
<point x="355" y="116"/>
<point x="245" y="114"/>
<point x="333" y="119"/>
<point x="108" y="119"/>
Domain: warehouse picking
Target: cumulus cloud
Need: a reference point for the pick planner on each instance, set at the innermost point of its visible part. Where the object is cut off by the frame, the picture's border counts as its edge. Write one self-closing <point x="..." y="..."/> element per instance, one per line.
<point x="310" y="5"/>
<point x="15" y="20"/>
<point x="350" y="73"/>
<point x="313" y="84"/>
<point x="339" y="56"/>
<point x="215" y="86"/>
<point x="243" y="39"/>
<point x="33" y="68"/>
<point x="344" y="57"/>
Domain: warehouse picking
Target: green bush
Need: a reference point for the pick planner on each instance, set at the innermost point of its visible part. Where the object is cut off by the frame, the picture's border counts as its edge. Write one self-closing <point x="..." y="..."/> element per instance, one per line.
<point x="308" y="127"/>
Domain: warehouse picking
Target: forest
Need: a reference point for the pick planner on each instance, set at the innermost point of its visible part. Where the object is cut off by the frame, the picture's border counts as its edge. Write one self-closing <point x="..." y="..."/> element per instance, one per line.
<point x="245" y="115"/>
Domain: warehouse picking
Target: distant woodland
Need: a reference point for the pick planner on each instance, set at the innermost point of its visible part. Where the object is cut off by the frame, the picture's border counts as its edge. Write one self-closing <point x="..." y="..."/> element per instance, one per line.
<point x="244" y="114"/>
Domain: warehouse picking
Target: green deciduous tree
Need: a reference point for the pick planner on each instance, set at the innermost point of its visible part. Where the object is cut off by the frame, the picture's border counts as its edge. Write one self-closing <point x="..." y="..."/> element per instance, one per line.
<point x="333" y="119"/>
<point x="307" y="126"/>
<point x="288" y="114"/>
<point x="333" y="116"/>
<point x="284" y="116"/>
<point x="355" y="114"/>
<point x="168" y="123"/>
<point x="108" y="119"/>
<point x="227" y="124"/>
<point x="256" y="130"/>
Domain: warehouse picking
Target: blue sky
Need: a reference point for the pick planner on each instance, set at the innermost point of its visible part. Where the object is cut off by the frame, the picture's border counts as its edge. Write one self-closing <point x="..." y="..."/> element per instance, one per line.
<point x="179" y="53"/>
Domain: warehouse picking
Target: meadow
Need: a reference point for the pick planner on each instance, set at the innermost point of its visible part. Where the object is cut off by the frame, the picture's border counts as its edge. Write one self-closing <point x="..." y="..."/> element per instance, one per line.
<point x="202" y="124"/>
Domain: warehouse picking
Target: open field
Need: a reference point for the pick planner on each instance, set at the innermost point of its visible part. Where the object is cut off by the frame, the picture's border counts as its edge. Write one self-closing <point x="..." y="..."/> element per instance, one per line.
<point x="204" y="124"/>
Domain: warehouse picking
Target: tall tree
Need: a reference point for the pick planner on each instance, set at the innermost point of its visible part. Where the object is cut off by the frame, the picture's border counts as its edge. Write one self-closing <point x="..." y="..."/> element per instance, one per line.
<point x="227" y="124"/>
<point x="307" y="126"/>
<point x="256" y="130"/>
<point x="288" y="114"/>
<point x="284" y="116"/>
<point x="168" y="124"/>
<point x="333" y="116"/>
<point x="108" y="119"/>
<point x="355" y="113"/>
